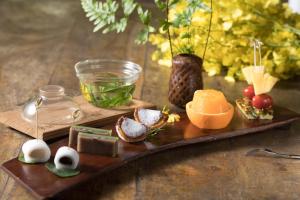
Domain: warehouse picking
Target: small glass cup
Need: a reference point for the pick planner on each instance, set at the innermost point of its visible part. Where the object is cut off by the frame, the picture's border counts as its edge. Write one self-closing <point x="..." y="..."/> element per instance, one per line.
<point x="55" y="108"/>
<point x="107" y="83"/>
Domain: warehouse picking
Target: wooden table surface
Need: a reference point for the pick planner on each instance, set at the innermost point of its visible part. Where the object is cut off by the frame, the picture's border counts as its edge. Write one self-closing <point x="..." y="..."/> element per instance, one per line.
<point x="40" y="41"/>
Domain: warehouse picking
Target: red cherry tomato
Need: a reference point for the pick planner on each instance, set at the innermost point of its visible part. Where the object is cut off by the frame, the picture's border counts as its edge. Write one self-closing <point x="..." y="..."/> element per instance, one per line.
<point x="267" y="101"/>
<point x="262" y="101"/>
<point x="249" y="92"/>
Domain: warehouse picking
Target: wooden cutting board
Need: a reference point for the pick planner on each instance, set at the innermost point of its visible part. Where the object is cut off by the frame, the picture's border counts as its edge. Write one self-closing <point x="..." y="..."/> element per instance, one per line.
<point x="93" y="116"/>
<point x="43" y="184"/>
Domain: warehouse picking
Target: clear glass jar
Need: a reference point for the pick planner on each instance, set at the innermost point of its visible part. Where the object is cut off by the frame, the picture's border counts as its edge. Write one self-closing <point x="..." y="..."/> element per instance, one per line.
<point x="107" y="83"/>
<point x="55" y="108"/>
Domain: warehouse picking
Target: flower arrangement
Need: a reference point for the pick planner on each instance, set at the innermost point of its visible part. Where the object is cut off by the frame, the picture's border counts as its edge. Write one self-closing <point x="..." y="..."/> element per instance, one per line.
<point x="234" y="24"/>
<point x="111" y="15"/>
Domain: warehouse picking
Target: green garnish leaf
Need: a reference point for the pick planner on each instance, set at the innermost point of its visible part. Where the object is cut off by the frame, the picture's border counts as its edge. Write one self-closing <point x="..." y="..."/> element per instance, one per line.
<point x="22" y="159"/>
<point x="154" y="132"/>
<point x="107" y="95"/>
<point x="62" y="173"/>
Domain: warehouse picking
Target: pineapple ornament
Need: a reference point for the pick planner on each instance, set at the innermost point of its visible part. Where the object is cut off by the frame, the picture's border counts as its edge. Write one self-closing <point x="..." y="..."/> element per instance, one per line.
<point x="257" y="104"/>
<point x="256" y="76"/>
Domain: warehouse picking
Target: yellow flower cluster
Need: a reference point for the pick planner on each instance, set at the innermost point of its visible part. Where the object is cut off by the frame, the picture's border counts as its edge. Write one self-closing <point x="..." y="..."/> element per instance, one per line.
<point x="234" y="24"/>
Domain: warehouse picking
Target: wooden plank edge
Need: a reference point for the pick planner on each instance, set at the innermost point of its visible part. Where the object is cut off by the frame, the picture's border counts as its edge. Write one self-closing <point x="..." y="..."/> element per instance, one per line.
<point x="36" y="195"/>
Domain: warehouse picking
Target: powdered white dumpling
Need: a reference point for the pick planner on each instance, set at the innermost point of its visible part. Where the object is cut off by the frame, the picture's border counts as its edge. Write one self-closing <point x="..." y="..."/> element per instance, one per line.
<point x="36" y="151"/>
<point x="66" y="158"/>
<point x="133" y="128"/>
<point x="149" y="117"/>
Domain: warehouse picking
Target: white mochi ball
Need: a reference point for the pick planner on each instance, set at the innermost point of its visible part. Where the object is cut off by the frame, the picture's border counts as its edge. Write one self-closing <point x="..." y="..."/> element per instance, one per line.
<point x="66" y="158"/>
<point x="36" y="151"/>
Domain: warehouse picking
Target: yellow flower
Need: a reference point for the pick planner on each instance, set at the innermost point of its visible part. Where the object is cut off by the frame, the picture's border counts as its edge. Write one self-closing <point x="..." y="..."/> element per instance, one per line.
<point x="233" y="26"/>
<point x="237" y="13"/>
<point x="165" y="62"/>
<point x="165" y="46"/>
<point x="227" y="25"/>
<point x="230" y="79"/>
<point x="271" y="2"/>
<point x="173" y="118"/>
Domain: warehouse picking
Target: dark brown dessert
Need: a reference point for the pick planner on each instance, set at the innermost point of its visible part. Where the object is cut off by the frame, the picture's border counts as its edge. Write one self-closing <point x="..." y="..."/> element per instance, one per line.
<point x="74" y="130"/>
<point x="97" y="144"/>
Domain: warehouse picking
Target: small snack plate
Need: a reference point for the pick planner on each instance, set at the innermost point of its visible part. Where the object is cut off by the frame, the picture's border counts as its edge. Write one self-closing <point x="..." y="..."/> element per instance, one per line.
<point x="39" y="181"/>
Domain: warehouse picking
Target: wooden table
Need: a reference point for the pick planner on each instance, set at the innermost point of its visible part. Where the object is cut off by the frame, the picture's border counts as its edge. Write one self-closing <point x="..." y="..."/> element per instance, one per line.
<point x="40" y="41"/>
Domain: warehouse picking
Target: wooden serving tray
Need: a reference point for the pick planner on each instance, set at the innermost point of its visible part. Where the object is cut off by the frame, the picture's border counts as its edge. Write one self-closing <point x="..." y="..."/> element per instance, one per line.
<point x="43" y="184"/>
<point x="93" y="116"/>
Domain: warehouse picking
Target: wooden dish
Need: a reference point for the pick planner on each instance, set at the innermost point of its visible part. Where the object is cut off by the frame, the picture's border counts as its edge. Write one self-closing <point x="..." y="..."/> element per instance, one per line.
<point x="43" y="184"/>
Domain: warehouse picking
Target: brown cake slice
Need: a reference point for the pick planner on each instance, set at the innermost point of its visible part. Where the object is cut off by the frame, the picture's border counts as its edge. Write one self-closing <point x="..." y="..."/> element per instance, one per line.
<point x="74" y="130"/>
<point x="97" y="144"/>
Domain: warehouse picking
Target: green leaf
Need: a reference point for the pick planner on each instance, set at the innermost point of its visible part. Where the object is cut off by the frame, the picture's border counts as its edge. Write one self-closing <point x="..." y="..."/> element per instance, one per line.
<point x="181" y="20"/>
<point x="173" y="3"/>
<point x="161" y="5"/>
<point x="195" y="5"/>
<point x="151" y="29"/>
<point x="165" y="25"/>
<point x="22" y="159"/>
<point x="185" y="35"/>
<point x="102" y="13"/>
<point x="121" y="25"/>
<point x="184" y="18"/>
<point x="108" y="29"/>
<point x="62" y="173"/>
<point x="142" y="36"/>
<point x="128" y="6"/>
<point x="145" y="16"/>
<point x="188" y="48"/>
<point x="100" y="25"/>
<point x="154" y="132"/>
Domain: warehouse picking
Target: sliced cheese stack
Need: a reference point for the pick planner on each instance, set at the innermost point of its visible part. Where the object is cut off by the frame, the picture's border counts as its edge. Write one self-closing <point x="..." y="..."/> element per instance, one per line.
<point x="262" y="82"/>
<point x="36" y="151"/>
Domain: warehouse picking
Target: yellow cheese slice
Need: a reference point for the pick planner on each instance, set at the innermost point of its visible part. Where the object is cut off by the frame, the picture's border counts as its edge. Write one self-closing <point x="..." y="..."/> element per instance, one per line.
<point x="258" y="80"/>
<point x="269" y="82"/>
<point x="247" y="72"/>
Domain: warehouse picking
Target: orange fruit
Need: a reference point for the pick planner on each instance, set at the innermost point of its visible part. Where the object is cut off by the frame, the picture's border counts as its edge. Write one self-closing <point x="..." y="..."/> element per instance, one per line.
<point x="209" y="109"/>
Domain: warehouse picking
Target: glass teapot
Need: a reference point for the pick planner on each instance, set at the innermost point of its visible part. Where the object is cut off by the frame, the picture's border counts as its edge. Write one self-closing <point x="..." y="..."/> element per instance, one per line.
<point x="54" y="107"/>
